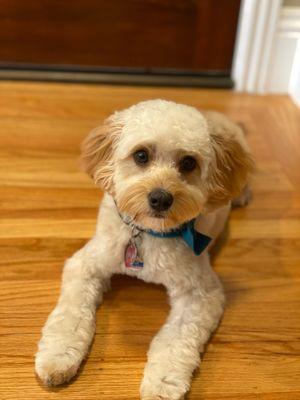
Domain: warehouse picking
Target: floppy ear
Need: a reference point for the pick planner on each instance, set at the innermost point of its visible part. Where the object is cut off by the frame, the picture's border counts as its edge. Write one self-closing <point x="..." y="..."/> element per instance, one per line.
<point x="232" y="162"/>
<point x="97" y="154"/>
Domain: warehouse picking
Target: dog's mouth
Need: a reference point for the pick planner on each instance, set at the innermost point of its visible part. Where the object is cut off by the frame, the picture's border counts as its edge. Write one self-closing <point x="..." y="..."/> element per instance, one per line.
<point x="158" y="215"/>
<point x="157" y="221"/>
<point x="163" y="216"/>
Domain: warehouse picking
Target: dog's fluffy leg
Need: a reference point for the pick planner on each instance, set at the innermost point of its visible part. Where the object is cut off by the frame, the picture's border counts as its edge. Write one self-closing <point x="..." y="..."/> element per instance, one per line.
<point x="174" y="352"/>
<point x="70" y="328"/>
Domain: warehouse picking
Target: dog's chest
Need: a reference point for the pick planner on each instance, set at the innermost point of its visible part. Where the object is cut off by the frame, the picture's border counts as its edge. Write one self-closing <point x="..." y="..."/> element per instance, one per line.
<point x="162" y="259"/>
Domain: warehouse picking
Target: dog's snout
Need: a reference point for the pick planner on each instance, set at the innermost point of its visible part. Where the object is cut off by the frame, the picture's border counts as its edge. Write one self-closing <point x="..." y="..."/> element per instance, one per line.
<point x="160" y="200"/>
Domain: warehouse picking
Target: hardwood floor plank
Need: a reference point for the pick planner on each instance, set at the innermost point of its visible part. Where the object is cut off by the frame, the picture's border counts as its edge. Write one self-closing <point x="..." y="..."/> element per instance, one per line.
<point x="48" y="210"/>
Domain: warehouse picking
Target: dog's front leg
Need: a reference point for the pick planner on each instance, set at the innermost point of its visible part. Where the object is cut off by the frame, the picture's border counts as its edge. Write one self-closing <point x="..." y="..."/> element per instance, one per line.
<point x="70" y="328"/>
<point x="174" y="352"/>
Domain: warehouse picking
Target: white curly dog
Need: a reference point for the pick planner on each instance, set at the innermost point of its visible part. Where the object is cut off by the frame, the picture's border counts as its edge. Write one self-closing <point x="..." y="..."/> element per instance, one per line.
<point x="169" y="173"/>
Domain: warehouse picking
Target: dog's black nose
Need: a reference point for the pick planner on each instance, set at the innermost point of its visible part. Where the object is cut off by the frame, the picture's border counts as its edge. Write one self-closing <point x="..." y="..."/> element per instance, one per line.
<point x="160" y="200"/>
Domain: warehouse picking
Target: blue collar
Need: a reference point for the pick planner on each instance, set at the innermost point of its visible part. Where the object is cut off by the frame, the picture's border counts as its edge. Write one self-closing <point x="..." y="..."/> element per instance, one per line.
<point x="195" y="240"/>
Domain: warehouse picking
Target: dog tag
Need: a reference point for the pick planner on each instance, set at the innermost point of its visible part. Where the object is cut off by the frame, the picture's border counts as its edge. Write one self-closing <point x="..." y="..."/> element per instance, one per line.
<point x="132" y="258"/>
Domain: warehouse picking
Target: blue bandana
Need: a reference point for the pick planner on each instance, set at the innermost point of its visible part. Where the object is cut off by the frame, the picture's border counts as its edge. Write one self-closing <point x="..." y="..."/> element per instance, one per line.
<point x="195" y="240"/>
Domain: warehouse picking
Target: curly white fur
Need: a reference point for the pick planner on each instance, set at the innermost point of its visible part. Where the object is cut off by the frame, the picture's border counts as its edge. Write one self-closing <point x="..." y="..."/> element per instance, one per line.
<point x="196" y="295"/>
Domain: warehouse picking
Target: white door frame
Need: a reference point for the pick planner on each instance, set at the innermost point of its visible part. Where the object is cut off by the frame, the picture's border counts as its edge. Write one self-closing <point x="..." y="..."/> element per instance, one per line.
<point x="256" y="32"/>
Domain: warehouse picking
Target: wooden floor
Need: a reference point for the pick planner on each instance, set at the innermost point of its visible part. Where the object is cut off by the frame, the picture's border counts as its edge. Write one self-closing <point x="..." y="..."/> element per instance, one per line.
<point x="48" y="210"/>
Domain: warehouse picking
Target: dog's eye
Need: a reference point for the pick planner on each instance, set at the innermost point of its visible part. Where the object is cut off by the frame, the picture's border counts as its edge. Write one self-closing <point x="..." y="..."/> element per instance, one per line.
<point x="141" y="157"/>
<point x="187" y="164"/>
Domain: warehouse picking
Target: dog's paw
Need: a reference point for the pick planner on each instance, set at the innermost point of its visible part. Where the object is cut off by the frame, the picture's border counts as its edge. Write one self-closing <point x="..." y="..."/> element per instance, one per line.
<point x="163" y="387"/>
<point x="244" y="198"/>
<point x="55" y="369"/>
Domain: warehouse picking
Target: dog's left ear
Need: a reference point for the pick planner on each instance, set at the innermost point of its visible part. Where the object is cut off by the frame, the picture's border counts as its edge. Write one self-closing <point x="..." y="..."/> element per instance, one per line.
<point x="97" y="154"/>
<point x="232" y="161"/>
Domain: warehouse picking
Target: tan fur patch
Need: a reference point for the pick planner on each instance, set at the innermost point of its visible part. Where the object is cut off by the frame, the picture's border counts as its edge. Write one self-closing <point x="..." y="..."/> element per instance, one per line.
<point x="97" y="154"/>
<point x="233" y="162"/>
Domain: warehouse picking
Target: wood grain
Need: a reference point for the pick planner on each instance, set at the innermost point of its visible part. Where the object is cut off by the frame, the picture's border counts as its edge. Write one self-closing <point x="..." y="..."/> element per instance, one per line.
<point x="48" y="210"/>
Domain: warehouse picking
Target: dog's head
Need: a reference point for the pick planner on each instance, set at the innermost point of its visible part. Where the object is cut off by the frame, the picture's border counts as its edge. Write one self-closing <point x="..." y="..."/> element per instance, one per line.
<point x="165" y="163"/>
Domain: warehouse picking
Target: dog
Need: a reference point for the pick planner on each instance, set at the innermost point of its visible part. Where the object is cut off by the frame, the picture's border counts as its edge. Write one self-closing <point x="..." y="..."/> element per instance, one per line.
<point x="170" y="173"/>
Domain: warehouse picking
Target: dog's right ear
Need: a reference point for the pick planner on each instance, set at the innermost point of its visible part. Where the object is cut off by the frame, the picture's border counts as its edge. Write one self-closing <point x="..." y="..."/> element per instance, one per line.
<point x="97" y="154"/>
